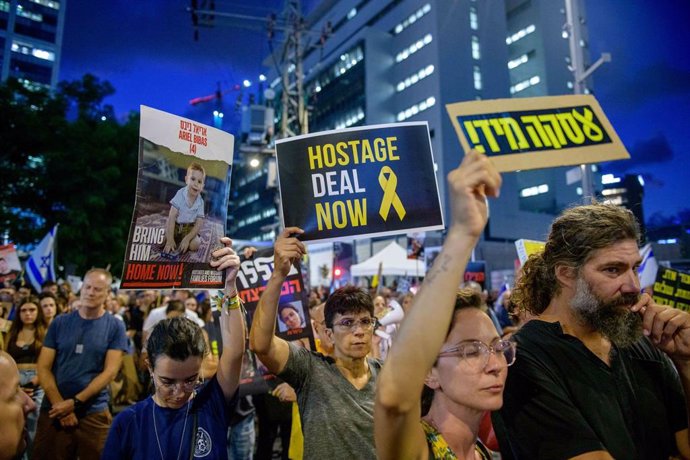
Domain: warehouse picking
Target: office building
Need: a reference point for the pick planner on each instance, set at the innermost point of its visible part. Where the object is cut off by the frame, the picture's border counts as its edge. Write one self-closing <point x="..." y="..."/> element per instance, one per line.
<point x="30" y="41"/>
<point x="403" y="60"/>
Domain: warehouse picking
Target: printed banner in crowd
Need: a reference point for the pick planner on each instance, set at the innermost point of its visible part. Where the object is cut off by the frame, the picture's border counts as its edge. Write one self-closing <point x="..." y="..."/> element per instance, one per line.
<point x="537" y="132"/>
<point x="526" y="248"/>
<point x="359" y="182"/>
<point x="672" y="287"/>
<point x="415" y="245"/>
<point x="430" y="254"/>
<point x="293" y="322"/>
<point x="10" y="267"/>
<point x="181" y="204"/>
<point x="476" y="271"/>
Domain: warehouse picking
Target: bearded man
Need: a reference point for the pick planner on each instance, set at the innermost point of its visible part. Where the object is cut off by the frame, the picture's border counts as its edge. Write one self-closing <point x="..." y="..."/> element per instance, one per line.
<point x="602" y="372"/>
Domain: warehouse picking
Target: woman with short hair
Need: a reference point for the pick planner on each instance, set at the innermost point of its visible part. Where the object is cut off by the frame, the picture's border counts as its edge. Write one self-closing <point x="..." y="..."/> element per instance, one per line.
<point x="186" y="418"/>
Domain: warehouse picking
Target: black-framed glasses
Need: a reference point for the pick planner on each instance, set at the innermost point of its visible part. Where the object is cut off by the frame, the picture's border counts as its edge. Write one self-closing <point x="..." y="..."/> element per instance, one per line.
<point x="476" y="353"/>
<point x="349" y="323"/>
<point x="186" y="386"/>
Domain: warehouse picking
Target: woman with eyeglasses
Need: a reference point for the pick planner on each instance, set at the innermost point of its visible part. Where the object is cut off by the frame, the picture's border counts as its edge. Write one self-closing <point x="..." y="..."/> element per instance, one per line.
<point x="445" y="343"/>
<point x="184" y="418"/>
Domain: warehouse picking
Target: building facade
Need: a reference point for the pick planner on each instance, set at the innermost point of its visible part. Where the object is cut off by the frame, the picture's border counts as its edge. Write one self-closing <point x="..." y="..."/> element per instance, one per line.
<point x="31" y="40"/>
<point x="404" y="60"/>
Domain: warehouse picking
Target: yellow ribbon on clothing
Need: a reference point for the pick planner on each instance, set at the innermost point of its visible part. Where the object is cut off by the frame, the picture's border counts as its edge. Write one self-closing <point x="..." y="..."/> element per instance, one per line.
<point x="389" y="182"/>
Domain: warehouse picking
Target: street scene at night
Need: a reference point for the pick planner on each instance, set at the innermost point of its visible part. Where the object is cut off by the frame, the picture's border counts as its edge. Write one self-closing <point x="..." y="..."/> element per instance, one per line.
<point x="307" y="229"/>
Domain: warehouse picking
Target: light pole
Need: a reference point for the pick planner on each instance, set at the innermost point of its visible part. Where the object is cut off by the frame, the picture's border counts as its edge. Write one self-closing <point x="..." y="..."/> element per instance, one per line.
<point x="580" y="74"/>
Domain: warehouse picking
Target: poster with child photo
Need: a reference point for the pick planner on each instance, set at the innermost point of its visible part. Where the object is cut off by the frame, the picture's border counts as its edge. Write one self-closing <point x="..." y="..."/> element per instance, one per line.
<point x="181" y="204"/>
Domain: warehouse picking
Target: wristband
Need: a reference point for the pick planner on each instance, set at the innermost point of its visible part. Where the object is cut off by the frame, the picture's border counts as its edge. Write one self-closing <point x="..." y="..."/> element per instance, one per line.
<point x="227" y="303"/>
<point x="231" y="303"/>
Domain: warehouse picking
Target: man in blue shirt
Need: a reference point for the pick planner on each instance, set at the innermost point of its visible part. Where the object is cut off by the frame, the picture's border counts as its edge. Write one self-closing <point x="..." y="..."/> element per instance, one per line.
<point x="81" y="355"/>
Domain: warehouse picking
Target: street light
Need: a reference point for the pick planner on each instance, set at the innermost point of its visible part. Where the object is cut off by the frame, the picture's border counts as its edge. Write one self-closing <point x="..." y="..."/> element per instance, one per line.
<point x="254" y="162"/>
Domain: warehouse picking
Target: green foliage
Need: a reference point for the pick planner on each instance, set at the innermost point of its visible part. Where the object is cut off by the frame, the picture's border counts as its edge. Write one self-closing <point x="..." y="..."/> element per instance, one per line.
<point x="78" y="171"/>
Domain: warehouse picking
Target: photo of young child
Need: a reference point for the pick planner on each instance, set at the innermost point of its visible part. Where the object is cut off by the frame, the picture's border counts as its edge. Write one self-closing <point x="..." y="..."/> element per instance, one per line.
<point x="186" y="213"/>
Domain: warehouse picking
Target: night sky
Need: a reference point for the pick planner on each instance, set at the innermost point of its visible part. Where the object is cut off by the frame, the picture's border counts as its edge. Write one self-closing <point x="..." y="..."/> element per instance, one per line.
<point x="147" y="51"/>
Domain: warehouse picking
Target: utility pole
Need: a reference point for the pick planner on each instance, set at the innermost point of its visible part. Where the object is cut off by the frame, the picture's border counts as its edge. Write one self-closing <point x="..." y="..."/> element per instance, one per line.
<point x="294" y="119"/>
<point x="573" y="27"/>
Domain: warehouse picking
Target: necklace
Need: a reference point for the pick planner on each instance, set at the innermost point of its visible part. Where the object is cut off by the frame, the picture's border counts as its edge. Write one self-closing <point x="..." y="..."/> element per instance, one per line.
<point x="184" y="427"/>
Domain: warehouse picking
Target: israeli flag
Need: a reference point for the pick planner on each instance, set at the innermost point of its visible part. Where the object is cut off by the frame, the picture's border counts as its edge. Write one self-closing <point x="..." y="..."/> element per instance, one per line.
<point x="648" y="267"/>
<point x="41" y="265"/>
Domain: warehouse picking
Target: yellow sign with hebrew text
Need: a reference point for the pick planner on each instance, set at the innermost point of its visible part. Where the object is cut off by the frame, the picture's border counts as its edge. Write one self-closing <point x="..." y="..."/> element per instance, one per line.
<point x="538" y="132"/>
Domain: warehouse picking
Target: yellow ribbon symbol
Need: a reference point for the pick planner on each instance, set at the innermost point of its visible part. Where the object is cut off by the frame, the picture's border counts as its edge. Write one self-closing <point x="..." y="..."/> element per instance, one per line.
<point x="389" y="182"/>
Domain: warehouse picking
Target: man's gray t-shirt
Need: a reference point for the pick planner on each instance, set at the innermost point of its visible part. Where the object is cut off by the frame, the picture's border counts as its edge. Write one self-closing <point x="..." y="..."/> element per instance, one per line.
<point x="337" y="419"/>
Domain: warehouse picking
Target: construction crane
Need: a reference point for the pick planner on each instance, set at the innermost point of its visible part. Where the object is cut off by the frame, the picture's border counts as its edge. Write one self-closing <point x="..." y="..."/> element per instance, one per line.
<point x="296" y="41"/>
<point x="217" y="96"/>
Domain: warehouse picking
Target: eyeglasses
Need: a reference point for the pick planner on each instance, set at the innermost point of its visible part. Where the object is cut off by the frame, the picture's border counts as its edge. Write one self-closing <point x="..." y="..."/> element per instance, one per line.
<point x="365" y="323"/>
<point x="186" y="386"/>
<point x="476" y="354"/>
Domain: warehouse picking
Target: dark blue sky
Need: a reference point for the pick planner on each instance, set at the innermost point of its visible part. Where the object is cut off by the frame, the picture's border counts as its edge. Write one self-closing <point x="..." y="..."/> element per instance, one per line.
<point x="146" y="50"/>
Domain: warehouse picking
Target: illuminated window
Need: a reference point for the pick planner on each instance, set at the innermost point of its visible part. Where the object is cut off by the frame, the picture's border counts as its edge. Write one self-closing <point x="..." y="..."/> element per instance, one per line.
<point x="517" y="61"/>
<point x="413" y="48"/>
<point x="411" y="19"/>
<point x="477" y="74"/>
<point x="350" y="118"/>
<point x="474" y="19"/>
<point x="520" y="34"/>
<point x="29" y="14"/>
<point x="417" y="108"/>
<point x="534" y="191"/>
<point x="414" y="78"/>
<point x="476" y="54"/>
<point x="49" y="3"/>
<point x="30" y="50"/>
<point x="523" y="85"/>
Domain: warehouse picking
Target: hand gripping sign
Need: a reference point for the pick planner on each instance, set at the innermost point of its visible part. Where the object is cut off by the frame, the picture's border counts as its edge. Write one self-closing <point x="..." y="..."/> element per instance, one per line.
<point x="538" y="132"/>
<point x="372" y="180"/>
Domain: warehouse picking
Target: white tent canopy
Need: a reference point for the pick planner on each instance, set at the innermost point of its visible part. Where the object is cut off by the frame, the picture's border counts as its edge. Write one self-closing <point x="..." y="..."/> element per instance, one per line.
<point x="394" y="261"/>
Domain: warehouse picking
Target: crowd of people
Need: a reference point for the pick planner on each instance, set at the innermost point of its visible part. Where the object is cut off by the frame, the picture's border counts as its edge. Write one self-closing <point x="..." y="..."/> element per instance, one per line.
<point x="573" y="361"/>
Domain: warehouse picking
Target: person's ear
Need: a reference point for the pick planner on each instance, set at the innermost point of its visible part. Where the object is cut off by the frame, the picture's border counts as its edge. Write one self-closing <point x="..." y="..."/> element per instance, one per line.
<point x="431" y="379"/>
<point x="566" y="275"/>
<point x="329" y="333"/>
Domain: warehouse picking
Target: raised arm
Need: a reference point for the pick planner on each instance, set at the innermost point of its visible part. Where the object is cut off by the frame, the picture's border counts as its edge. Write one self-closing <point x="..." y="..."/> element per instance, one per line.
<point x="232" y="327"/>
<point x="272" y="350"/>
<point x="398" y="432"/>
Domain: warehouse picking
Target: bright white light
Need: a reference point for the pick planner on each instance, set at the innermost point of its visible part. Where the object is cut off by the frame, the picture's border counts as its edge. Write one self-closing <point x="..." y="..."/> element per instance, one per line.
<point x="640" y="180"/>
<point x="247" y="83"/>
<point x="103" y="118"/>
<point x="262" y="77"/>
<point x="609" y="179"/>
<point x="254" y="163"/>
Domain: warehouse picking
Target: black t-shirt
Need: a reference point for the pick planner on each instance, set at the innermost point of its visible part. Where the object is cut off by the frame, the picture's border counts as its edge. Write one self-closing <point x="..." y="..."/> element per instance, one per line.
<point x="244" y="406"/>
<point x="561" y="400"/>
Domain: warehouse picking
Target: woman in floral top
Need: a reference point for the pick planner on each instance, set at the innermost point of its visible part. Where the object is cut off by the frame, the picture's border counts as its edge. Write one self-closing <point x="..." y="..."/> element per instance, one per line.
<point x="445" y="344"/>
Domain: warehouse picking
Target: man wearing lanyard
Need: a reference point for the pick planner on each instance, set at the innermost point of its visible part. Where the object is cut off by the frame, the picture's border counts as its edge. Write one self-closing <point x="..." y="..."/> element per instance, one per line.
<point x="81" y="355"/>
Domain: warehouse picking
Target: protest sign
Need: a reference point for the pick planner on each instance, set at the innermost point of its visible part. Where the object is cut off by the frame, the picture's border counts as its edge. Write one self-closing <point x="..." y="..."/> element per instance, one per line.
<point x="10" y="267"/>
<point x="672" y="288"/>
<point x="181" y="204"/>
<point x="526" y="248"/>
<point x="415" y="245"/>
<point x="537" y="132"/>
<point x="359" y="182"/>
<point x="292" y="323"/>
<point x="476" y="271"/>
<point x="430" y="254"/>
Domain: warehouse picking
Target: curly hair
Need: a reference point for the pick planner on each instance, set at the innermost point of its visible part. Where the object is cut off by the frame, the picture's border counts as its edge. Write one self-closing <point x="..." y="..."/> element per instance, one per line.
<point x="574" y="237"/>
